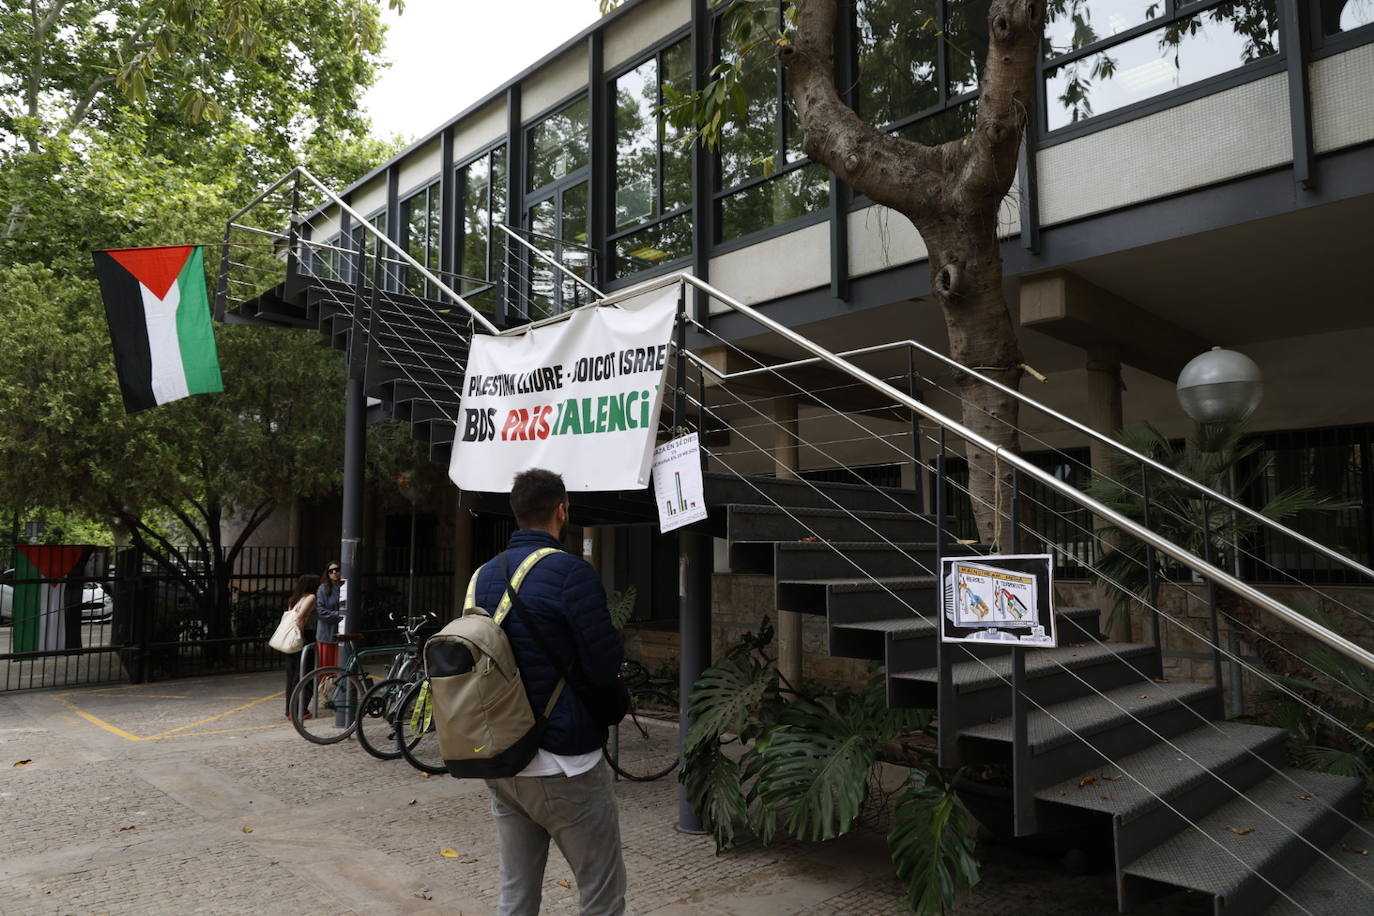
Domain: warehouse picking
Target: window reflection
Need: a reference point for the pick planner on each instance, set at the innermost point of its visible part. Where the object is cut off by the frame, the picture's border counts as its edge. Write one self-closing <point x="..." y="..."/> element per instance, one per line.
<point x="1345" y="15"/>
<point x="1074" y="24"/>
<point x="796" y="193"/>
<point x="482" y="190"/>
<point x="1183" y="52"/>
<point x="636" y="145"/>
<point x="658" y="244"/>
<point x="558" y="145"/>
<point x="966" y="47"/>
<point x="420" y="221"/>
<point x="898" y="52"/>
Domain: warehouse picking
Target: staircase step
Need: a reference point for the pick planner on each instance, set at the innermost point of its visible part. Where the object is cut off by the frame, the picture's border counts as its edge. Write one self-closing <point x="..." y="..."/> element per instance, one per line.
<point x="1341" y="885"/>
<point x="980" y="674"/>
<point x="851" y="599"/>
<point x="1193" y="772"/>
<point x="1064" y="723"/>
<point x="773" y="523"/>
<point x="730" y="488"/>
<point x="1265" y="833"/>
<point x="801" y="560"/>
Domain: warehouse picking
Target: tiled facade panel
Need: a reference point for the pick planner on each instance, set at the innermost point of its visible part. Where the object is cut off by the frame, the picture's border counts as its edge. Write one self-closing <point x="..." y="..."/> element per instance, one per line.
<point x="479" y="130"/>
<point x="779" y="266"/>
<point x="642" y="28"/>
<point x="1342" y="93"/>
<point x="553" y="83"/>
<point x="419" y="167"/>
<point x="1219" y="137"/>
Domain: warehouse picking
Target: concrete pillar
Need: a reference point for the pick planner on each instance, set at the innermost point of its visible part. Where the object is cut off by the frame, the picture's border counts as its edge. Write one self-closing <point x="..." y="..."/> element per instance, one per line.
<point x="786" y="463"/>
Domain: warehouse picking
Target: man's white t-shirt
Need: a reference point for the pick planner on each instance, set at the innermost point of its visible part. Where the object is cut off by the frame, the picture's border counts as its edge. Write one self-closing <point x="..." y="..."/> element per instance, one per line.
<point x="547" y="763"/>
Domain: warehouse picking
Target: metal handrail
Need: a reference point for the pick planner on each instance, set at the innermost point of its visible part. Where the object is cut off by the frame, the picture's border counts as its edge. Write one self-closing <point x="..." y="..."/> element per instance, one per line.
<point x="1169" y="548"/>
<point x="302" y="172"/>
<point x="1094" y="434"/>
<point x="551" y="261"/>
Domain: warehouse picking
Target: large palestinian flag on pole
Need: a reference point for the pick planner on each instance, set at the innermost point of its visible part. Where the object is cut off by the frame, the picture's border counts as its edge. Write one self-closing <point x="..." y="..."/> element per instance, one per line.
<point x="159" y="313"/>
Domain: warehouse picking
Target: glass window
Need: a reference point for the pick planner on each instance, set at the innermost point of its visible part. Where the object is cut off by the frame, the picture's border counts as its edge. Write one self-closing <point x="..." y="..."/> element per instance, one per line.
<point x="558" y="145"/>
<point x="943" y="126"/>
<point x="898" y="52"/>
<point x="1183" y="52"/>
<point x="966" y="44"/>
<point x="1345" y="15"/>
<point x="1078" y="23"/>
<point x="481" y="246"/>
<point x="367" y="245"/>
<point x="420" y="221"/>
<point x="749" y="144"/>
<point x="677" y="155"/>
<point x="660" y="243"/>
<point x="636" y="145"/>
<point x="790" y="195"/>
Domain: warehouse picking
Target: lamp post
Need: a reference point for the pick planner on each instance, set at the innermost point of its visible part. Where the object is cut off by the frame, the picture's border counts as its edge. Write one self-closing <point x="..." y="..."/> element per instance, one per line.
<point x="1216" y="387"/>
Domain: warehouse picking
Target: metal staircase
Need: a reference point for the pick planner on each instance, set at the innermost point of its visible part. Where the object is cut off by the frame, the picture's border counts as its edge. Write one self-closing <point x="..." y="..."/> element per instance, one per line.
<point x="1087" y="737"/>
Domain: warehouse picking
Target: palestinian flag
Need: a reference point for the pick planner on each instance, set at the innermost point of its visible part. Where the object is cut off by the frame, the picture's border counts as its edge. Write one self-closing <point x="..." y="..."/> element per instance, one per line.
<point x="159" y="313"/>
<point x="44" y="596"/>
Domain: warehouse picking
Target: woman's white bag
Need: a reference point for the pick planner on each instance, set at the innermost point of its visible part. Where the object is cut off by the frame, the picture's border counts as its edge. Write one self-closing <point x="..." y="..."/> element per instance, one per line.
<point x="287" y="637"/>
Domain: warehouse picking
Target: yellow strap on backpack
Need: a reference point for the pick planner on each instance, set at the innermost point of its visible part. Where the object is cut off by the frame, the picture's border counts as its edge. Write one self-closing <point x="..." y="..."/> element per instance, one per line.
<point x="516" y="578"/>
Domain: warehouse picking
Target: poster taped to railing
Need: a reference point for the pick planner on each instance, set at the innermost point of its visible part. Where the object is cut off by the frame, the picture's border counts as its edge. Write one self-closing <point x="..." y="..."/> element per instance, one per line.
<point x="678" y="488"/>
<point x="580" y="397"/>
<point x="1006" y="599"/>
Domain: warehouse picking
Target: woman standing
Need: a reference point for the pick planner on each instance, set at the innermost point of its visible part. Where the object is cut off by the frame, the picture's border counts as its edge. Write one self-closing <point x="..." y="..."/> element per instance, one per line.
<point x="302" y="601"/>
<point x="327" y="608"/>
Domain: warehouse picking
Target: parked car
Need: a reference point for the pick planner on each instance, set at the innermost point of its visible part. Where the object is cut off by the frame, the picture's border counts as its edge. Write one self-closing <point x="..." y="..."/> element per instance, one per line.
<point x="96" y="605"/>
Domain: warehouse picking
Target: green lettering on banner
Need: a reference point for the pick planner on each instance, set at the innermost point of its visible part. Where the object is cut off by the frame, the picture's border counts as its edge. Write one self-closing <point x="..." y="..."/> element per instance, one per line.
<point x="588" y="417"/>
<point x="629" y="406"/>
<point x="571" y="421"/>
<point x="602" y="409"/>
<point x="615" y="423"/>
<point x="644" y="401"/>
<point x="557" y="416"/>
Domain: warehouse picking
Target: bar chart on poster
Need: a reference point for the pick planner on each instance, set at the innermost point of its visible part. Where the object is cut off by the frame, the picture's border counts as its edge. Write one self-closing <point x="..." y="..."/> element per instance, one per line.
<point x="678" y="489"/>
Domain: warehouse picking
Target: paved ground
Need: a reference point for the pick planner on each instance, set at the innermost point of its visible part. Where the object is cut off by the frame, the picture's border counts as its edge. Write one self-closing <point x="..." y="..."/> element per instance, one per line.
<point x="195" y="796"/>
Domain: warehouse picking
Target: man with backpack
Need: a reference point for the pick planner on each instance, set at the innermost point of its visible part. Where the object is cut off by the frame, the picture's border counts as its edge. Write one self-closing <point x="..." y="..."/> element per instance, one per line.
<point x="566" y="792"/>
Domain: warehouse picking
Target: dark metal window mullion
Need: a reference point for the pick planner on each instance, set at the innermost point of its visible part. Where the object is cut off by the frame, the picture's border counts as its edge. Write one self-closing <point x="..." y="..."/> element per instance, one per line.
<point x="941" y="56"/>
<point x="659" y="202"/>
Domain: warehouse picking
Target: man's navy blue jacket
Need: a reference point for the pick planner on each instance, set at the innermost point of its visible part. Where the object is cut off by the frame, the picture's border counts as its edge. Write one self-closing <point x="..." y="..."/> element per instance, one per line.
<point x="564" y="597"/>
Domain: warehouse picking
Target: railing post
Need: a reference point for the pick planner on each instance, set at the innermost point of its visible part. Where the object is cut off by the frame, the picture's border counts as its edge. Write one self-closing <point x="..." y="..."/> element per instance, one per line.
<point x="947" y="736"/>
<point x="1151" y="574"/>
<point x="680" y="365"/>
<point x="1211" y="592"/>
<point x="1023" y="802"/>
<point x="918" y="481"/>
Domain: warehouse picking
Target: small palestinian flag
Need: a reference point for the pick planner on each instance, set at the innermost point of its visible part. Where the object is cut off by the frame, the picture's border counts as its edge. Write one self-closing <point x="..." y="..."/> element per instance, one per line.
<point x="44" y="596"/>
<point x="164" y="345"/>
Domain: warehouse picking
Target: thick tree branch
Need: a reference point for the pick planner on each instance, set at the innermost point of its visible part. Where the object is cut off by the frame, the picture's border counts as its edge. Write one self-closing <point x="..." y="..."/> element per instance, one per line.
<point x="134" y="43"/>
<point x="906" y="176"/>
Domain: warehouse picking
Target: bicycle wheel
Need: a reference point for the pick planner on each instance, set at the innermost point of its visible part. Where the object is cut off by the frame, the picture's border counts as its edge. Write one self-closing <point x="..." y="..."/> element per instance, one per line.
<point x="417" y="738"/>
<point x="644" y="746"/>
<point x="377" y="718"/>
<point x="324" y="704"/>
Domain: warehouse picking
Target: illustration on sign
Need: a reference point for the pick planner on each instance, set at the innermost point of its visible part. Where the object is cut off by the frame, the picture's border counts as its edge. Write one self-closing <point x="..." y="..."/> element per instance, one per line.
<point x="678" y="488"/>
<point x="998" y="599"/>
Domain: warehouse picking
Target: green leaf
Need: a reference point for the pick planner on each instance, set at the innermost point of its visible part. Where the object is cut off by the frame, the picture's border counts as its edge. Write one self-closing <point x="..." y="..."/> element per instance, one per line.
<point x="819" y="779"/>
<point x="932" y="843"/>
<point x="712" y="783"/>
<point x="726" y="695"/>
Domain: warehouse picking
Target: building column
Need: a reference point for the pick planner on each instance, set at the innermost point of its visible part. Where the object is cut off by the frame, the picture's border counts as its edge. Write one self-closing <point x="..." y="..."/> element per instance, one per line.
<point x="1104" y="415"/>
<point x="786" y="463"/>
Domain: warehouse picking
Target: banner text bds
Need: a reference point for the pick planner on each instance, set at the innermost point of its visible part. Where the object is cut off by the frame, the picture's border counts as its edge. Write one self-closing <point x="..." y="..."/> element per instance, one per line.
<point x="607" y="413"/>
<point x="630" y="361"/>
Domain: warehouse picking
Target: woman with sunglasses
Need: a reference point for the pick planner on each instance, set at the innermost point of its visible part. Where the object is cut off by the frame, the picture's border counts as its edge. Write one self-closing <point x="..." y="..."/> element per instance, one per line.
<point x="328" y="614"/>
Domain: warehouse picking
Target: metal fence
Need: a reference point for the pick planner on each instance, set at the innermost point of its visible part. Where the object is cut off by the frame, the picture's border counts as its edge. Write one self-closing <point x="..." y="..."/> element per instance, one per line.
<point x="73" y="615"/>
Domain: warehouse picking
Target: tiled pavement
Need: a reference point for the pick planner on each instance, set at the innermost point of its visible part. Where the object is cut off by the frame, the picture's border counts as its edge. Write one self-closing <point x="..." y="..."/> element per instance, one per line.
<point x="196" y="797"/>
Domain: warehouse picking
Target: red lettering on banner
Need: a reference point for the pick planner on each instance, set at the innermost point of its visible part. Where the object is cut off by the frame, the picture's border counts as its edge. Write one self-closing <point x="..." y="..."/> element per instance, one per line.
<point x="512" y="428"/>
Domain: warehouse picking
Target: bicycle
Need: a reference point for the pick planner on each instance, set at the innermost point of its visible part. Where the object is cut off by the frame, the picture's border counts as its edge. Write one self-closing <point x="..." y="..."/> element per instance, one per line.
<point x="324" y="706"/>
<point x="644" y="754"/>
<point x="377" y="731"/>
<point x="417" y="738"/>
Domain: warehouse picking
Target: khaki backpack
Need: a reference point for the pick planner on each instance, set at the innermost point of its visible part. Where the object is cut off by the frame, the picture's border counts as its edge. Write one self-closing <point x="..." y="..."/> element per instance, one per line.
<point x="486" y="726"/>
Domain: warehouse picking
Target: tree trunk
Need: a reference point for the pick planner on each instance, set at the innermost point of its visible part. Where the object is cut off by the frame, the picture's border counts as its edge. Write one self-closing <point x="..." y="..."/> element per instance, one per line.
<point x="951" y="193"/>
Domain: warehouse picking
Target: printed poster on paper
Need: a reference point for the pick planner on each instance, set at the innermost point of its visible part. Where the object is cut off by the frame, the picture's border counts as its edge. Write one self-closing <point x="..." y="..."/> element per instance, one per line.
<point x="1006" y="599"/>
<point x="580" y="397"/>
<point x="678" y="488"/>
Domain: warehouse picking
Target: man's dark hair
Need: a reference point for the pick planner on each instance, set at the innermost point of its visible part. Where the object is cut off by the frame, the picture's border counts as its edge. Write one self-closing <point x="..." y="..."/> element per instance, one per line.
<point x="535" y="495"/>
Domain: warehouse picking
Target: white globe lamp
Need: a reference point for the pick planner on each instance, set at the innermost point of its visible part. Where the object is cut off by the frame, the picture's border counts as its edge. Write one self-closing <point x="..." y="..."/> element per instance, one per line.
<point x="1219" y="386"/>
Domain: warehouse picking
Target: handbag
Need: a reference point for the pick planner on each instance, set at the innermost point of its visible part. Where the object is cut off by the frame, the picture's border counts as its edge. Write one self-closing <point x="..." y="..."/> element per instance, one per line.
<point x="608" y="705"/>
<point x="287" y="637"/>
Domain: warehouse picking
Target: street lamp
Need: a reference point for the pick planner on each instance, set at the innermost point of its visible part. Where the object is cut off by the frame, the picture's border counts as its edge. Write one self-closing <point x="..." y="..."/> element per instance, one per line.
<point x="1220" y="385"/>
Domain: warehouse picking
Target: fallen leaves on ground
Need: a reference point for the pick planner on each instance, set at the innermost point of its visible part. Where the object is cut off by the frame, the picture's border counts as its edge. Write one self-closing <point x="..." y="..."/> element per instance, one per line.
<point x="564" y="883"/>
<point x="22" y="763"/>
<point x="1241" y="831"/>
<point x="449" y="853"/>
<point x="1357" y="851"/>
<point x="1305" y="795"/>
<point x="247" y="829"/>
<point x="130" y="827"/>
<point x="412" y="801"/>
<point x="1086" y="781"/>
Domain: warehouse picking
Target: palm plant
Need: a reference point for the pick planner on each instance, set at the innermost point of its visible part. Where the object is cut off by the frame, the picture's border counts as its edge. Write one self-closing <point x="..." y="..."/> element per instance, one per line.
<point x="765" y="754"/>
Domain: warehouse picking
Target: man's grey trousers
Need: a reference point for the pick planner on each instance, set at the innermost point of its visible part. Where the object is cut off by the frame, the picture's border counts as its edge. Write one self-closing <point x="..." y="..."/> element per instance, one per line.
<point x="579" y="812"/>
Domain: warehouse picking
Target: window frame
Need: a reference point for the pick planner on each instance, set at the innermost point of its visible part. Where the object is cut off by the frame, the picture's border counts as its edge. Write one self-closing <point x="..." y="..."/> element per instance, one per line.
<point x="1324" y="45"/>
<point x="613" y="235"/>
<point x="527" y="129"/>
<point x="431" y="185"/>
<point x="460" y="188"/>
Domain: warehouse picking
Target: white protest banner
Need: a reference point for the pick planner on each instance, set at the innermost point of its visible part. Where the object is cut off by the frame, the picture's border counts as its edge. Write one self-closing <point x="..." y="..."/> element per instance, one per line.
<point x="678" y="488"/>
<point x="579" y="397"/>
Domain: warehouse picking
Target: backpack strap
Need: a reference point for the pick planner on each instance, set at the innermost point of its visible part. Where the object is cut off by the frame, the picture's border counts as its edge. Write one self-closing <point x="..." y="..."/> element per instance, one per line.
<point x="520" y="572"/>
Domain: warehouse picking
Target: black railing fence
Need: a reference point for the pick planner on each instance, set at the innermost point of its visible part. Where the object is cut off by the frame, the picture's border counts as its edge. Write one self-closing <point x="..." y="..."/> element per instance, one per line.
<point x="74" y="615"/>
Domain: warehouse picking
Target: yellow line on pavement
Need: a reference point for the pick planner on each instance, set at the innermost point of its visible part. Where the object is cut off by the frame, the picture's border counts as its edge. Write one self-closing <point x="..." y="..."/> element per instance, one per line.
<point x="100" y="722"/>
<point x="229" y="712"/>
<point x="219" y="731"/>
